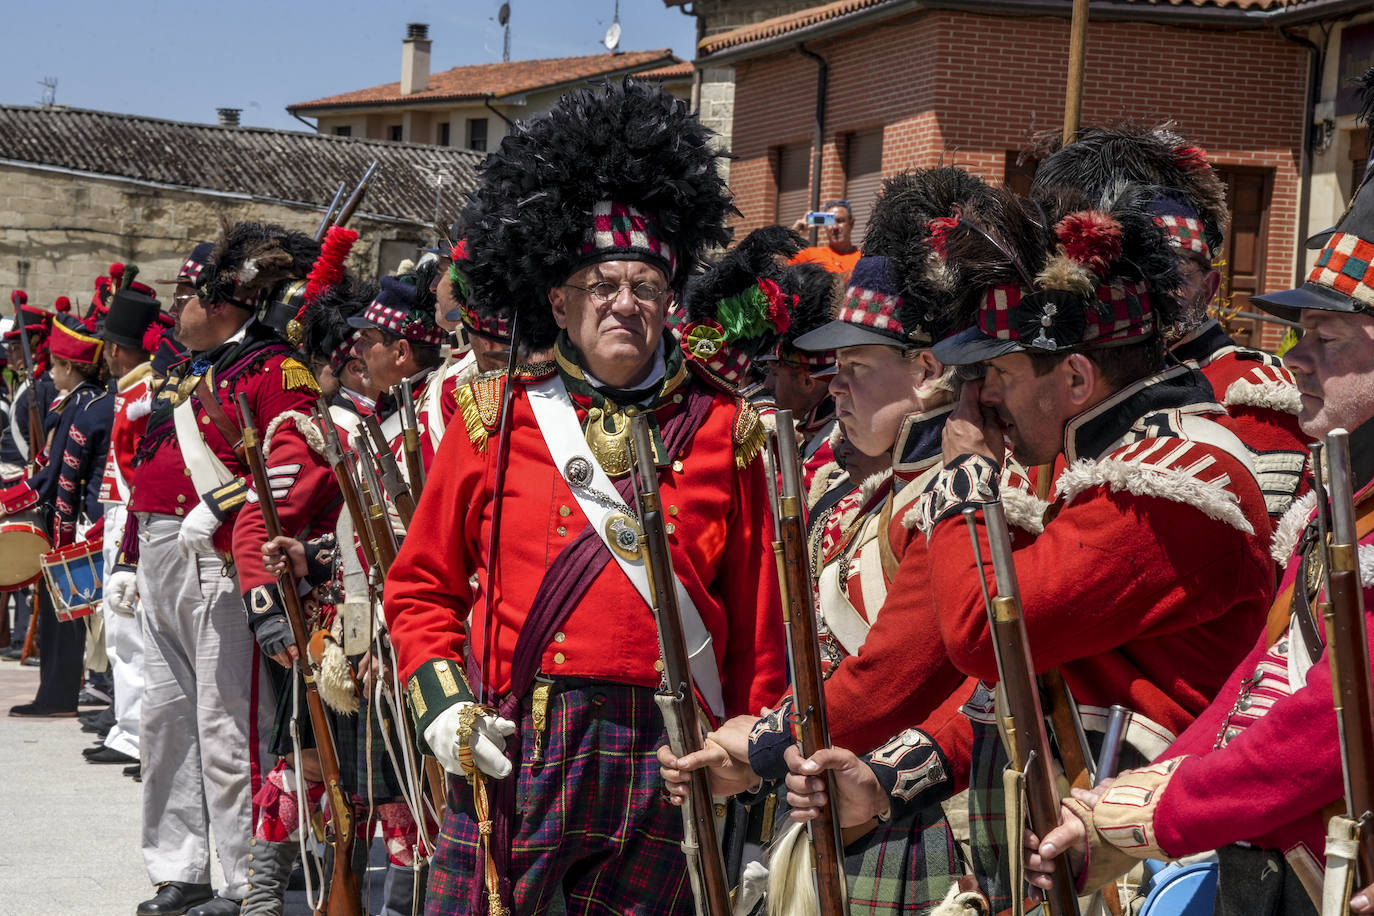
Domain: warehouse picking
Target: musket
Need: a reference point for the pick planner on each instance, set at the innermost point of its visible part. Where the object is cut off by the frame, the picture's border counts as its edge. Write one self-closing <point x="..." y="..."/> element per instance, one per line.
<point x="328" y="219"/>
<point x="1347" y="648"/>
<point x="677" y="698"/>
<point x="336" y="455"/>
<point x="810" y="727"/>
<point x="1023" y="719"/>
<point x="356" y="197"/>
<point x="384" y="543"/>
<point x="341" y="897"/>
<point x="410" y="427"/>
<point x="392" y="480"/>
<point x="1066" y="724"/>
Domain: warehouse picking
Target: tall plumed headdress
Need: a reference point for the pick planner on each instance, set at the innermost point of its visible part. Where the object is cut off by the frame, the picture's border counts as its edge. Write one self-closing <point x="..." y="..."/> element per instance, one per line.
<point x="899" y="290"/>
<point x="1342" y="279"/>
<point x="1101" y="161"/>
<point x="1058" y="273"/>
<point x="250" y="260"/>
<point x="742" y="305"/>
<point x="325" y="331"/>
<point x="620" y="171"/>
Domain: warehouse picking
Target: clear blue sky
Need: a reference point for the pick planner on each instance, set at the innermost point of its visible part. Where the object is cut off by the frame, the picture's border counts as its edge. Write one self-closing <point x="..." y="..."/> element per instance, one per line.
<point x="182" y="59"/>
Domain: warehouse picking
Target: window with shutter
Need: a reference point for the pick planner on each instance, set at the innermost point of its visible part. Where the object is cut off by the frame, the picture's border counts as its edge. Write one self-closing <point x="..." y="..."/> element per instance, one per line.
<point x="863" y="177"/>
<point x="793" y="183"/>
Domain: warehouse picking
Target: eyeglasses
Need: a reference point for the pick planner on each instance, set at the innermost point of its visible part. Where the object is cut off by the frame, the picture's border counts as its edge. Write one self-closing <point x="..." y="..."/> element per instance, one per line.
<point x="607" y="292"/>
<point x="837" y="203"/>
<point x="182" y="300"/>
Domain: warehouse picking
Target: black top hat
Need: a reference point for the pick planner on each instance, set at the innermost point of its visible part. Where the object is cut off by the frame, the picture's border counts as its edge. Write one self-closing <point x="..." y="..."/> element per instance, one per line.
<point x="131" y="314"/>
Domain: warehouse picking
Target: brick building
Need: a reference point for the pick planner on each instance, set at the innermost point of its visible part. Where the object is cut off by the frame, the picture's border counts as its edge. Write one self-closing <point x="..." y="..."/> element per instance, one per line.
<point x="912" y="83"/>
<point x="81" y="189"/>
<point x="472" y="107"/>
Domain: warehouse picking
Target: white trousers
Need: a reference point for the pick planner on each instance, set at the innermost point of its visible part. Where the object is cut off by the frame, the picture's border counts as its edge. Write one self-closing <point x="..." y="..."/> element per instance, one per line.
<point x="203" y="716"/>
<point x="124" y="646"/>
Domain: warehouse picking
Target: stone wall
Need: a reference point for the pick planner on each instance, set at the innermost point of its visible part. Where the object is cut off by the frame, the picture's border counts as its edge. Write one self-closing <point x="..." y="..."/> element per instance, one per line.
<point x="61" y="230"/>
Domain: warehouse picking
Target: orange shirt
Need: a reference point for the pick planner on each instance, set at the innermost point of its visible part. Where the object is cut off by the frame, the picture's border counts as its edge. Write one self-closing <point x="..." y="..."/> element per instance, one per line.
<point x="831" y="260"/>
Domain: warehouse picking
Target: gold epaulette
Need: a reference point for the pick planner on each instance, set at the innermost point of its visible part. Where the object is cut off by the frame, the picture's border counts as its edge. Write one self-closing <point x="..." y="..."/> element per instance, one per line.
<point x="296" y="377"/>
<point x="749" y="434"/>
<point x="480" y="403"/>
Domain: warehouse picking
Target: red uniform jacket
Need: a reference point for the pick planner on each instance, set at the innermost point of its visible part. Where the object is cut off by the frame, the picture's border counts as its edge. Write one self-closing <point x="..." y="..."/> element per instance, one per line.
<point x="720" y="539"/>
<point x="133" y="401"/>
<point x="281" y="393"/>
<point x="1151" y="575"/>
<point x="1262" y="405"/>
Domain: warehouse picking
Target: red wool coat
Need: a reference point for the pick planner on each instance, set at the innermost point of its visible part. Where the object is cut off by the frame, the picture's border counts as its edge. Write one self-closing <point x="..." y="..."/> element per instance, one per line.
<point x="720" y="542"/>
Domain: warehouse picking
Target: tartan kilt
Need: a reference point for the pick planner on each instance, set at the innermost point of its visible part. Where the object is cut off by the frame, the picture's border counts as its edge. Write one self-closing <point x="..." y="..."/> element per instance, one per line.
<point x="592" y="833"/>
<point x="987" y="815"/>
<point x="905" y="866"/>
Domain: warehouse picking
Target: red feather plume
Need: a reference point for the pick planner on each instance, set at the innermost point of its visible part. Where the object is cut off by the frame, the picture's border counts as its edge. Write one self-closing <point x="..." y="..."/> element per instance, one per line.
<point x="1091" y="239"/>
<point x="1191" y="158"/>
<point x="19" y="297"/>
<point x="778" y="314"/>
<point x="116" y="274"/>
<point x="329" y="266"/>
<point x="939" y="229"/>
<point x="63" y="304"/>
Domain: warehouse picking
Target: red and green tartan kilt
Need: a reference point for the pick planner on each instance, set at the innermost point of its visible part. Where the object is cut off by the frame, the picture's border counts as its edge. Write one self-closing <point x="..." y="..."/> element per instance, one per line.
<point x="592" y="833"/>
<point x="905" y="866"/>
<point x="987" y="816"/>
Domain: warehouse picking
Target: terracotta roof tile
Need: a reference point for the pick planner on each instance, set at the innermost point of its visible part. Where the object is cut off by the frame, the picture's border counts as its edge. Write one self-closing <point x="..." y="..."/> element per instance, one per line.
<point x="279" y="165"/>
<point x="680" y="71"/>
<point x="478" y="81"/>
<point x="816" y="15"/>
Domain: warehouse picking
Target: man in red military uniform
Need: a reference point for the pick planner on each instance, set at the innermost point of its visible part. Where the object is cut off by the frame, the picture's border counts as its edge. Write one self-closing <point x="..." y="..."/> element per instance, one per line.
<point x="561" y="640"/>
<point x="1151" y="566"/>
<point x="1254" y="774"/>
<point x="1189" y="201"/>
<point x="206" y="707"/>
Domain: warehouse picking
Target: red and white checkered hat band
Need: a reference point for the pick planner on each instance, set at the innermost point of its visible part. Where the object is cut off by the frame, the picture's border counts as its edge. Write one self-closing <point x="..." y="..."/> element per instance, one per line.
<point x="1186" y="232"/>
<point x="402" y="324"/>
<point x="1346" y="264"/>
<point x="190" y="271"/>
<point x="623" y="229"/>
<point x="1053" y="319"/>
<point x="870" y="308"/>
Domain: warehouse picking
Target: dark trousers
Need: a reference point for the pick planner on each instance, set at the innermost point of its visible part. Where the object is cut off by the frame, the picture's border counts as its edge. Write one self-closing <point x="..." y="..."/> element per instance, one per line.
<point x="61" y="655"/>
<point x="22" y="601"/>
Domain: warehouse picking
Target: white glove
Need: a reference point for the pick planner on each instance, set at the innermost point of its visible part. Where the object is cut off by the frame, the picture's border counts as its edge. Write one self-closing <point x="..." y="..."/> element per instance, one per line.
<point x="487" y="740"/>
<point x="121" y="593"/>
<point x="197" y="534"/>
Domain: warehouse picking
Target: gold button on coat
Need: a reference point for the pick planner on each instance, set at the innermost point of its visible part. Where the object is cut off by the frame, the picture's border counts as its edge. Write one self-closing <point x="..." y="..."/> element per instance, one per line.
<point x="558" y="658"/>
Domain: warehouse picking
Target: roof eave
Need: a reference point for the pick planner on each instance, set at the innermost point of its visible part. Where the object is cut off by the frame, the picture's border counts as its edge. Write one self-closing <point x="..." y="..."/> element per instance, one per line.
<point x="1109" y="10"/>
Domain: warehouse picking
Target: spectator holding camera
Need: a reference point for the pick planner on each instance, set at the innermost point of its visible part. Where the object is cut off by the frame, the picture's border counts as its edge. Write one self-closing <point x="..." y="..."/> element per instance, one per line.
<point x="836" y="222"/>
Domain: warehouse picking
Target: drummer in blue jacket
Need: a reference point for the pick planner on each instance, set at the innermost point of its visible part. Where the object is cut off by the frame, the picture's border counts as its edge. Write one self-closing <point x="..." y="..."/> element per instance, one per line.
<point x="67" y="489"/>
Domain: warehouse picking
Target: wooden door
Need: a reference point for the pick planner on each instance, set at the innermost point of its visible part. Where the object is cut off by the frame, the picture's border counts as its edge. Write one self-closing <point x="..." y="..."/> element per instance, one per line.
<point x="1248" y="192"/>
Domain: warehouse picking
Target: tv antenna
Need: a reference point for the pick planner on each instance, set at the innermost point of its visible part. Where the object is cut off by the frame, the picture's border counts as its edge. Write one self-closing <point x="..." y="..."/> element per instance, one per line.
<point x="49" y="84"/>
<point x="612" y="39"/>
<point x="503" y="18"/>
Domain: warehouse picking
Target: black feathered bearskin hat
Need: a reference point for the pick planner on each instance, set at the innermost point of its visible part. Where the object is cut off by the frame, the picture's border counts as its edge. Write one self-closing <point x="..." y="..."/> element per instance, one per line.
<point x="1057" y="273"/>
<point x="751" y="301"/>
<point x="250" y="260"/>
<point x="621" y="171"/>
<point x="898" y="291"/>
<point x="325" y="331"/>
<point x="1101" y="161"/>
<point x="1342" y="280"/>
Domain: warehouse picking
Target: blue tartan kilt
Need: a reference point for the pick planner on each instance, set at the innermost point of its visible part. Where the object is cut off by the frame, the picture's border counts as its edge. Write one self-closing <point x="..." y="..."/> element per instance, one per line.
<point x="592" y="833"/>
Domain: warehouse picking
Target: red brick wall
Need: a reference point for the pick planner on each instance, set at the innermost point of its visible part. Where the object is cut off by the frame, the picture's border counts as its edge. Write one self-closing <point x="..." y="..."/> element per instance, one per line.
<point x="967" y="88"/>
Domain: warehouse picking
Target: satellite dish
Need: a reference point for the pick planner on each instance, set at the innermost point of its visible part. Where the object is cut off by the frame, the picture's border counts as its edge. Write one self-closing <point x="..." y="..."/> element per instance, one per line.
<point x="504" y="16"/>
<point x="612" y="38"/>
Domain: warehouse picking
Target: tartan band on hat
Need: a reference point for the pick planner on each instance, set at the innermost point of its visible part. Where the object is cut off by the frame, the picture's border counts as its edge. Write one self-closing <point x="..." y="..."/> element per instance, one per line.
<point x="395" y="310"/>
<point x="871" y="313"/>
<point x="70" y="343"/>
<point x="1050" y="320"/>
<point x="194" y="265"/>
<point x="1346" y="264"/>
<point x="811" y="361"/>
<point x="621" y="231"/>
<point x="1187" y="233"/>
<point x="495" y="328"/>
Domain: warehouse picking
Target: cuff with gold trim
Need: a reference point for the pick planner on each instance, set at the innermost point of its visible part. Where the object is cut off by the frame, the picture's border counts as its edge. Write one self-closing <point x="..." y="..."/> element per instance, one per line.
<point x="912" y="769"/>
<point x="434" y="687"/>
<point x="226" y="500"/>
<point x="769" y="740"/>
<point x="263" y="602"/>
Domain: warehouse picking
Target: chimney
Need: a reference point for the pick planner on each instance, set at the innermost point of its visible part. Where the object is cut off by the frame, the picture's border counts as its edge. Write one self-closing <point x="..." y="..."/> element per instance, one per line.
<point x="229" y="117"/>
<point x="415" y="59"/>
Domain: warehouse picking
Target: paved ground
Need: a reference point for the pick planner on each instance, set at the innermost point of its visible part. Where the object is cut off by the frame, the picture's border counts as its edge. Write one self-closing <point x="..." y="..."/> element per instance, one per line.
<point x="69" y="830"/>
